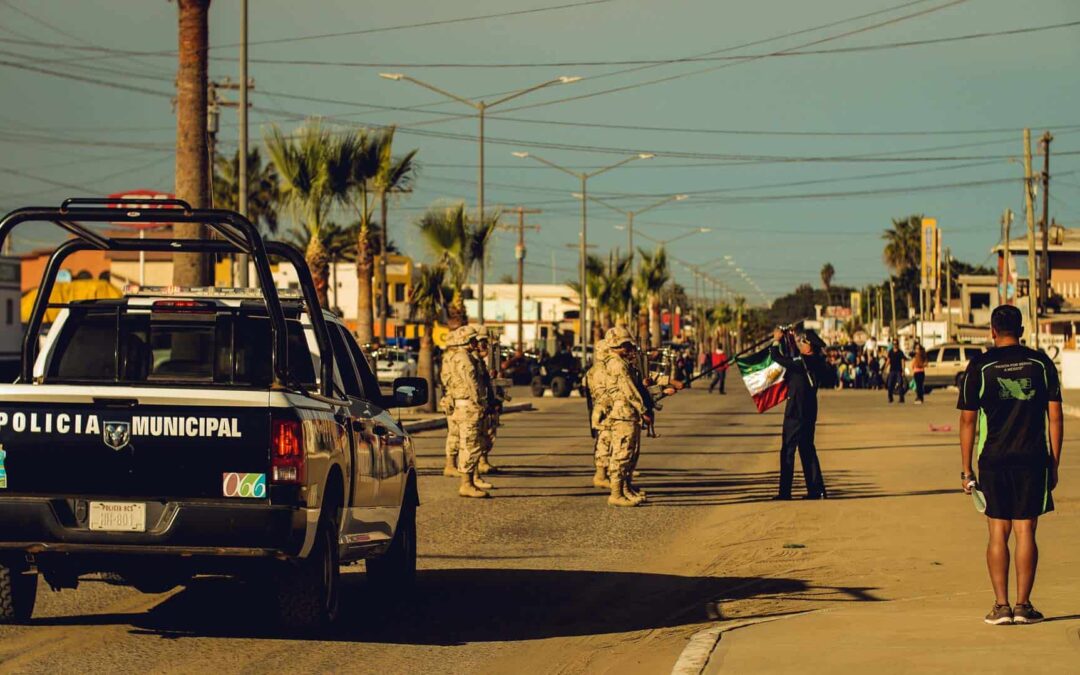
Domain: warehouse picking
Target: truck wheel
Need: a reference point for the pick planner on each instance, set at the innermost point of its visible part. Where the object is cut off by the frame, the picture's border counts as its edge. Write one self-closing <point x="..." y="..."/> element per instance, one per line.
<point x="308" y="591"/>
<point x="18" y="592"/>
<point x="538" y="386"/>
<point x="396" y="569"/>
<point x="560" y="387"/>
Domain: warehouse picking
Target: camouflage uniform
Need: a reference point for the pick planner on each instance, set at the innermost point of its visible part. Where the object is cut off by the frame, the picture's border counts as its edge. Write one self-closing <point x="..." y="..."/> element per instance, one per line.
<point x="490" y="419"/>
<point x="596" y="382"/>
<point x="469" y="402"/>
<point x="626" y="410"/>
<point x="456" y="342"/>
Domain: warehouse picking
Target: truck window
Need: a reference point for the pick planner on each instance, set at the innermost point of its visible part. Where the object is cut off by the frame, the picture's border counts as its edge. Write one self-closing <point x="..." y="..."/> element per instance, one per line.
<point x="343" y="363"/>
<point x="367" y="378"/>
<point x="117" y="345"/>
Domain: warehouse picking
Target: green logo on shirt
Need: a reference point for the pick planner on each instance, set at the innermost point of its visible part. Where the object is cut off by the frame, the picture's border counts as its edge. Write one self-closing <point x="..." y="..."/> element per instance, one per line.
<point x="1019" y="389"/>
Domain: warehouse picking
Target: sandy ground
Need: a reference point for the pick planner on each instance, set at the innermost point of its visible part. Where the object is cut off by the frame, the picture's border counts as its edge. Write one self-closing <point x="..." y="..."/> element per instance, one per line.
<point x="545" y="578"/>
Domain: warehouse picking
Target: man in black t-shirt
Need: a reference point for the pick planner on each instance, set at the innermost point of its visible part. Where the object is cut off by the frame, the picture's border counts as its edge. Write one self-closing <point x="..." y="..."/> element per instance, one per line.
<point x="1009" y="393"/>
<point x="895" y="380"/>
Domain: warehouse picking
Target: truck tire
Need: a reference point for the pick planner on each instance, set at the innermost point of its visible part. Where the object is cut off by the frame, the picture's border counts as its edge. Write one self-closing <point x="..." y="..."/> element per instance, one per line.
<point x="18" y="592"/>
<point x="560" y="387"/>
<point x="395" y="570"/>
<point x="537" y="386"/>
<point x="308" y="591"/>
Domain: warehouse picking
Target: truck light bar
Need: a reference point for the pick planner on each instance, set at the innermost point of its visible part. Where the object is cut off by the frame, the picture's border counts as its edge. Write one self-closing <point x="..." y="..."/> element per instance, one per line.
<point x="134" y="290"/>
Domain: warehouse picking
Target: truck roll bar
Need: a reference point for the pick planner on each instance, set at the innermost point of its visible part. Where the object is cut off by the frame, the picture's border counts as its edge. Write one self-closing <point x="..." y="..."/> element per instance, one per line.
<point x="239" y="234"/>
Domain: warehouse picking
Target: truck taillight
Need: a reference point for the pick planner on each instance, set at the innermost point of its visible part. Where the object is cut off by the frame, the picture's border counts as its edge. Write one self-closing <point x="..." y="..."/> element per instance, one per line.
<point x="286" y="451"/>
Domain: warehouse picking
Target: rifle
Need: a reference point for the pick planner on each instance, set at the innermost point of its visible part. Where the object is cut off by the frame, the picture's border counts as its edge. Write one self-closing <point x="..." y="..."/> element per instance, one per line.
<point x="726" y="364"/>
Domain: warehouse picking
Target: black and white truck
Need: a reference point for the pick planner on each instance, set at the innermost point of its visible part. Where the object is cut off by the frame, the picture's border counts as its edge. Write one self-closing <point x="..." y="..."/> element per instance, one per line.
<point x="184" y="431"/>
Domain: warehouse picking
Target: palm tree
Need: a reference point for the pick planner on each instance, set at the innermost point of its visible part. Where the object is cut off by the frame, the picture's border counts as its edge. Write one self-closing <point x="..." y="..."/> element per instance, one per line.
<point x="262" y="188"/>
<point x="338" y="241"/>
<point x="903" y="252"/>
<point x="653" y="274"/>
<point x="457" y="242"/>
<point x="313" y="167"/>
<point x="827" y="274"/>
<point x="192" y="163"/>
<point x="446" y="231"/>
<point x="427" y="304"/>
<point x="609" y="287"/>
<point x="392" y="174"/>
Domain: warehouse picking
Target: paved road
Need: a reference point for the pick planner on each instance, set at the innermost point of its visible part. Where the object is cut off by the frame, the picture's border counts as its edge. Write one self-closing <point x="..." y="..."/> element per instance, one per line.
<point x="546" y="578"/>
<point x="546" y="569"/>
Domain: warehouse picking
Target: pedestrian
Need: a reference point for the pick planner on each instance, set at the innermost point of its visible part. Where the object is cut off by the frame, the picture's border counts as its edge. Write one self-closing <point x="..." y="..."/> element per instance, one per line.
<point x="1009" y="393"/>
<point x="896" y="358"/>
<point x="456" y="341"/>
<point x="802" y="373"/>
<point x="720" y="365"/>
<point x="596" y="388"/>
<point x="464" y="386"/>
<point x="918" y="371"/>
<point x="626" y="414"/>
<point x="490" y="418"/>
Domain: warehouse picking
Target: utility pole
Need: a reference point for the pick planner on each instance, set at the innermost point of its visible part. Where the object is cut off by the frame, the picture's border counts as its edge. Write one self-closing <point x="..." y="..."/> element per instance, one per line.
<point x="1006" y="221"/>
<point x="242" y="198"/>
<point x="948" y="297"/>
<point x="892" y="317"/>
<point x="1029" y="209"/>
<point x="519" y="253"/>
<point x="1044" y="268"/>
<point x="880" y="320"/>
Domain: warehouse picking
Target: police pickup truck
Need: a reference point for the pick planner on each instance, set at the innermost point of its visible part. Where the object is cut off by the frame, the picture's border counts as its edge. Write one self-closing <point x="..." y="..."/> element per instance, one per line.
<point x="176" y="432"/>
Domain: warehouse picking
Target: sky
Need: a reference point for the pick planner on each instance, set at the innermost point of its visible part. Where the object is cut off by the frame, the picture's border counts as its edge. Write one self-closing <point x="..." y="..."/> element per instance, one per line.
<point x="789" y="160"/>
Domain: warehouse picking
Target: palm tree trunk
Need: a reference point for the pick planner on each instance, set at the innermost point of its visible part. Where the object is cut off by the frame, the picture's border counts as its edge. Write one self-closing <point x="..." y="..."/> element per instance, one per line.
<point x="426" y="366"/>
<point x="192" y="162"/>
<point x="643" y="324"/>
<point x="456" y="314"/>
<point x="654" y="321"/>
<point x="384" y="285"/>
<point x="365" y="269"/>
<point x="318" y="261"/>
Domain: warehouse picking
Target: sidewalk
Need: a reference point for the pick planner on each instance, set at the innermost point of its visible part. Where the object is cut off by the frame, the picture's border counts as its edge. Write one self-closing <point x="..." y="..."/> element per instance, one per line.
<point x="889" y="574"/>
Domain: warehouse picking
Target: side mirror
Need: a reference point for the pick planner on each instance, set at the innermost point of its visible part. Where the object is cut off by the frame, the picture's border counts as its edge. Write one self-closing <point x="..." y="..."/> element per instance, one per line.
<point x="410" y="392"/>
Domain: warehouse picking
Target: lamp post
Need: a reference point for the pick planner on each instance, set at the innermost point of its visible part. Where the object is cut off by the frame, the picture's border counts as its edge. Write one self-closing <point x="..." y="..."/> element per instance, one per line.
<point x="584" y="178"/>
<point x="665" y="242"/>
<point x="630" y="232"/>
<point x="481" y="108"/>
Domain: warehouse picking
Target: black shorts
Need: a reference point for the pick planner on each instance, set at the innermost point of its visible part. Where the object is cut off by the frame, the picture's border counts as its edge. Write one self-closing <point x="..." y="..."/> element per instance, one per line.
<point x="1016" y="493"/>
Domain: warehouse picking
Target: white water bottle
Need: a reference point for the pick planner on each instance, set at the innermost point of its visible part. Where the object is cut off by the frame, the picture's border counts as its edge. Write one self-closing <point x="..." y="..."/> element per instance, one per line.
<point x="977" y="497"/>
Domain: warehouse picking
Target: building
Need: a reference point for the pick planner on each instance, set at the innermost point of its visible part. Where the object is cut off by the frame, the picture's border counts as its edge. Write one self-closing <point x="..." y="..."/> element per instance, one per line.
<point x="1057" y="324"/>
<point x="549" y="313"/>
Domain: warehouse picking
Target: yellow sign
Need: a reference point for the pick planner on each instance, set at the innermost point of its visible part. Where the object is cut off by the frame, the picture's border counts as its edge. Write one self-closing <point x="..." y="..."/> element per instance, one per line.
<point x="856" y="303"/>
<point x="928" y="247"/>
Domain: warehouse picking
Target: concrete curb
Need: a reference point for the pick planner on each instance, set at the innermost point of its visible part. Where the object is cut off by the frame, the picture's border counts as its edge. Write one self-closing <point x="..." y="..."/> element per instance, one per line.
<point x="440" y="422"/>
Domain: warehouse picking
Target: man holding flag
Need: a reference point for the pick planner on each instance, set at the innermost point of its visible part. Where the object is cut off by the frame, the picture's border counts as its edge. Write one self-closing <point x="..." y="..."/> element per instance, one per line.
<point x="772" y="377"/>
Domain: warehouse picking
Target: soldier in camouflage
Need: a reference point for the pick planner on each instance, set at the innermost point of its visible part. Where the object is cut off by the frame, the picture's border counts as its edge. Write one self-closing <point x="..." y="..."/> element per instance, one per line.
<point x="491" y="414"/>
<point x="596" y="383"/>
<point x="627" y="410"/>
<point x="469" y="402"/>
<point x="456" y="341"/>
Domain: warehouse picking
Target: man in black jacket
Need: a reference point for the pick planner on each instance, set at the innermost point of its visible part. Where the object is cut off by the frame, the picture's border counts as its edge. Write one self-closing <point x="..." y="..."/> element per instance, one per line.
<point x="800" y="413"/>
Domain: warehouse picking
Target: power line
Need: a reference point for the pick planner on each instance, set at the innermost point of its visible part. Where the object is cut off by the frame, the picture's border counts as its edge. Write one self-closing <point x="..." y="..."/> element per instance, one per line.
<point x="687" y="59"/>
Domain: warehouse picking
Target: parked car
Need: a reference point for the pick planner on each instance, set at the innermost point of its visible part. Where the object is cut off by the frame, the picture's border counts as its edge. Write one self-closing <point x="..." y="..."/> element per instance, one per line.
<point x="946" y="363"/>
<point x="392" y="363"/>
<point x="561" y="373"/>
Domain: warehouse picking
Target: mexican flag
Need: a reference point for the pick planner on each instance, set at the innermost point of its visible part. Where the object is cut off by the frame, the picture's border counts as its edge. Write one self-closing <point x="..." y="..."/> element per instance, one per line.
<point x="764" y="378"/>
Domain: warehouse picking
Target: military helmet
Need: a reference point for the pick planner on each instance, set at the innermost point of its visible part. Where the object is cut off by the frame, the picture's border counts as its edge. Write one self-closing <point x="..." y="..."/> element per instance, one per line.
<point x="618" y="336"/>
<point x="481" y="333"/>
<point x="458" y="337"/>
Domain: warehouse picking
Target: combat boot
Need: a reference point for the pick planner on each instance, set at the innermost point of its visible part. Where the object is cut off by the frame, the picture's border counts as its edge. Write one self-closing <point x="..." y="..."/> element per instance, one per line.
<point x="633" y="494"/>
<point x="484" y="467"/>
<point x="450" y="469"/>
<point x="617" y="498"/>
<point x="480" y="482"/>
<point x="600" y="479"/>
<point x="468" y="488"/>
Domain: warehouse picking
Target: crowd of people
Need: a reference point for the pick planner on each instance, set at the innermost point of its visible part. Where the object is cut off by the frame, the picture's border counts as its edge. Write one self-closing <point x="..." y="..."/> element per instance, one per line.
<point x="875" y="366"/>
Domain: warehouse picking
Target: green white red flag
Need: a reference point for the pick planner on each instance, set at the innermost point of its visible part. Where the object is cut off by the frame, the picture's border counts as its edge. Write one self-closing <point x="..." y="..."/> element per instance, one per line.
<point x="764" y="378"/>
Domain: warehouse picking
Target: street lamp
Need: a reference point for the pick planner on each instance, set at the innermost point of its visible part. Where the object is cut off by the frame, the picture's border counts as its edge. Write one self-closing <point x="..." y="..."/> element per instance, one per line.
<point x="665" y="242"/>
<point x="630" y="232"/>
<point x="584" y="178"/>
<point x="481" y="108"/>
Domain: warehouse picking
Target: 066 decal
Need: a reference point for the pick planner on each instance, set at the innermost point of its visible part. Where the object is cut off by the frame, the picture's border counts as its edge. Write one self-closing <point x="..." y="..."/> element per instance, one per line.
<point x="244" y="485"/>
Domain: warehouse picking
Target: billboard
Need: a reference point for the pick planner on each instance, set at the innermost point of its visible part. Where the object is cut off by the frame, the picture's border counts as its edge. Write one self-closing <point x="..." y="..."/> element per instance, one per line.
<point x="929" y="254"/>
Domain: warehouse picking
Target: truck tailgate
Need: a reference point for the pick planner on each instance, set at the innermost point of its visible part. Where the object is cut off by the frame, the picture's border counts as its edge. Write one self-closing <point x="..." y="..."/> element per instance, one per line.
<point x="131" y="443"/>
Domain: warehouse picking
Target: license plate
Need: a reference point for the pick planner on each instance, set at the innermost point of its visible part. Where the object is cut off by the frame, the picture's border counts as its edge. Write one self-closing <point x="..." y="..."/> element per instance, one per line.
<point x="117" y="517"/>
